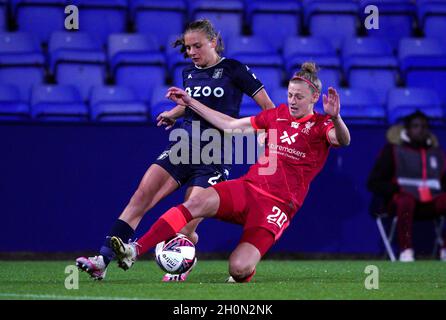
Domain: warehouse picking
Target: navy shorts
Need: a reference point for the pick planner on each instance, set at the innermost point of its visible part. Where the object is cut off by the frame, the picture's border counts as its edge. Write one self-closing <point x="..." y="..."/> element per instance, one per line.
<point x="201" y="175"/>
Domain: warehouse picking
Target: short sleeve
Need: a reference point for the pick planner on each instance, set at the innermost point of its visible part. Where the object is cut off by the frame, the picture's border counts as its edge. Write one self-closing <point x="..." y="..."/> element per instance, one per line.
<point x="246" y="80"/>
<point x="260" y="121"/>
<point x="327" y="125"/>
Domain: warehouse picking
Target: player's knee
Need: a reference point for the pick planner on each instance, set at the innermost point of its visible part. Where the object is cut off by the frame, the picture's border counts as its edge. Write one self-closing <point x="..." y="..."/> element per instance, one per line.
<point x="191" y="234"/>
<point x="239" y="269"/>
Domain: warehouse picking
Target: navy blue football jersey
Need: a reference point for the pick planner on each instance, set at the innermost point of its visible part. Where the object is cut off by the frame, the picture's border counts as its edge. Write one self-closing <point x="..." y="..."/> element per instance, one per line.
<point x="220" y="87"/>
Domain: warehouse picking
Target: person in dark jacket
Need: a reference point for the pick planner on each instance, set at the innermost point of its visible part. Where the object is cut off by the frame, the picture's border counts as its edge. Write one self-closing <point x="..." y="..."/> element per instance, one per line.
<point x="410" y="177"/>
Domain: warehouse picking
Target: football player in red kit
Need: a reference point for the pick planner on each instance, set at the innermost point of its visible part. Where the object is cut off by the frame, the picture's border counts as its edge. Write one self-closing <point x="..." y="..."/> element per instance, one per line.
<point x="265" y="199"/>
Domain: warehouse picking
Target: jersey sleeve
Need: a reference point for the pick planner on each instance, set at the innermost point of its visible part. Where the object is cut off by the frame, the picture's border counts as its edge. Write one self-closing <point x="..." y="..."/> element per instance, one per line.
<point x="246" y="80"/>
<point x="260" y="121"/>
<point x="327" y="125"/>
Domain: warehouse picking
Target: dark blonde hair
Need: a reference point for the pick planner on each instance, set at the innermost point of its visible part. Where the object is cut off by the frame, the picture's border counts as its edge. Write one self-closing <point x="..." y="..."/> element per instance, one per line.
<point x="207" y="28"/>
<point x="308" y="73"/>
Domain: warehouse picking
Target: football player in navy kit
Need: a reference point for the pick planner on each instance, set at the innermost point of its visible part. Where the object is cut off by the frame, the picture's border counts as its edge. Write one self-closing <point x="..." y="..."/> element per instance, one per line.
<point x="214" y="81"/>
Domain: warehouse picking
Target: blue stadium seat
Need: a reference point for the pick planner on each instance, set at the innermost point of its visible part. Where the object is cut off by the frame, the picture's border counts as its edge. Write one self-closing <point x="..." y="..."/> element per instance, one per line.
<point x="136" y="63"/>
<point x="369" y="63"/>
<point x="361" y="106"/>
<point x="226" y="16"/>
<point x="21" y="62"/>
<point x="3" y="15"/>
<point x="11" y="105"/>
<point x="258" y="55"/>
<point x="432" y="19"/>
<point x="274" y="21"/>
<point x="100" y="18"/>
<point x="248" y="107"/>
<point x="160" y="103"/>
<point x="175" y="62"/>
<point x="116" y="104"/>
<point x="423" y="64"/>
<point x="333" y="20"/>
<point x="279" y="95"/>
<point x="396" y="19"/>
<point x="300" y="49"/>
<point x="39" y="17"/>
<point x="403" y="101"/>
<point x="150" y="17"/>
<point x="77" y="59"/>
<point x="58" y="103"/>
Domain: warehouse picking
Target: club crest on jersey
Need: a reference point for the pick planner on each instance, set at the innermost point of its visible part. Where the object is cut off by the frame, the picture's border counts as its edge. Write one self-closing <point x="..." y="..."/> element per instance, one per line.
<point x="307" y="128"/>
<point x="295" y="125"/>
<point x="286" y="138"/>
<point x="218" y="73"/>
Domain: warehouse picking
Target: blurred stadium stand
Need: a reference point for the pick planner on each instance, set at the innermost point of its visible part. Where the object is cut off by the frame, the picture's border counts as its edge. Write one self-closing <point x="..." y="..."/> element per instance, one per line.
<point x="132" y="46"/>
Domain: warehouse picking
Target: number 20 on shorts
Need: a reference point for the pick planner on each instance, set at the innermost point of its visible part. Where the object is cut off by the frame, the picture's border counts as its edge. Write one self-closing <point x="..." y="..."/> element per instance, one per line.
<point x="277" y="217"/>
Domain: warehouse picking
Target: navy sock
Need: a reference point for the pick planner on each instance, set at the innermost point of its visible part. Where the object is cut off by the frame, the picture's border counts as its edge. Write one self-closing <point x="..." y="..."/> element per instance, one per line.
<point x="120" y="229"/>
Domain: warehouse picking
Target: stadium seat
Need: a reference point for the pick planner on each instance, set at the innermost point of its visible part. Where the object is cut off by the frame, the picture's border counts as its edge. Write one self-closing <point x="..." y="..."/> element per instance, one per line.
<point x="58" y="103"/>
<point x="21" y="62"/>
<point x="361" y="106"/>
<point x="159" y="103"/>
<point x="274" y="21"/>
<point x="150" y="17"/>
<point x="432" y="19"/>
<point x="396" y="19"/>
<point x="298" y="50"/>
<point x="423" y="64"/>
<point x="112" y="15"/>
<point x="258" y="55"/>
<point x="403" y="101"/>
<point x="370" y="63"/>
<point x="39" y="17"/>
<point x="3" y="15"/>
<point x="175" y="62"/>
<point x="77" y="59"/>
<point x="11" y="105"/>
<point x="226" y="16"/>
<point x="248" y="107"/>
<point x="333" y="20"/>
<point x="116" y="104"/>
<point x="135" y="62"/>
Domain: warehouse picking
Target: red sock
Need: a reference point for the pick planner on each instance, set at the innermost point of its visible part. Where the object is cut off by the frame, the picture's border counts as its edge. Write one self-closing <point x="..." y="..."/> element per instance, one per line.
<point x="164" y="228"/>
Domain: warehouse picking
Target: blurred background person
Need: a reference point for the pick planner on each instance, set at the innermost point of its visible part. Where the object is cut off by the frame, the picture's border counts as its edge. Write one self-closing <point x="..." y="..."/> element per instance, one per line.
<point x="409" y="177"/>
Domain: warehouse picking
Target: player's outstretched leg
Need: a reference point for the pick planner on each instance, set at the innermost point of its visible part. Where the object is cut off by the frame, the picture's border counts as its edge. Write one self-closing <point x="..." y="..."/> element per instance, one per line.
<point x="155" y="185"/>
<point x="126" y="253"/>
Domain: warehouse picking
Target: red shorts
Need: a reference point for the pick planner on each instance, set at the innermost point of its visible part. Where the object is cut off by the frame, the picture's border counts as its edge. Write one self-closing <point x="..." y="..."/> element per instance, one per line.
<point x="241" y="203"/>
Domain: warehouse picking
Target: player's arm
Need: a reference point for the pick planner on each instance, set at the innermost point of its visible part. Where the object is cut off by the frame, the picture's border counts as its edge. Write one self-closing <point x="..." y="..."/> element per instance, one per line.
<point x="218" y="119"/>
<point x="339" y="135"/>
<point x="263" y="100"/>
<point x="168" y="118"/>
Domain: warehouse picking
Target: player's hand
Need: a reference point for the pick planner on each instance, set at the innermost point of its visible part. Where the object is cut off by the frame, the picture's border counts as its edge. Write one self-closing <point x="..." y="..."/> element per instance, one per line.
<point x="332" y="105"/>
<point x="164" y="119"/>
<point x="178" y="96"/>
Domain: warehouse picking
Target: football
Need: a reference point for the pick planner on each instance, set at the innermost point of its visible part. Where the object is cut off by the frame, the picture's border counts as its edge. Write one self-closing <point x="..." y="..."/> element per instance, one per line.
<point x="176" y="255"/>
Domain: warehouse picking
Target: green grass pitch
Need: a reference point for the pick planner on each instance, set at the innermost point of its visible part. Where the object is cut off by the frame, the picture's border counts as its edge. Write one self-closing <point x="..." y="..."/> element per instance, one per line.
<point x="275" y="279"/>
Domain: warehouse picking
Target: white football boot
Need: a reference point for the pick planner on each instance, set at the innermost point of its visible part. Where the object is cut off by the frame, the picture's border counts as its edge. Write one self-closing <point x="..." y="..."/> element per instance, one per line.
<point x="407" y="255"/>
<point x="126" y="253"/>
<point x="443" y="254"/>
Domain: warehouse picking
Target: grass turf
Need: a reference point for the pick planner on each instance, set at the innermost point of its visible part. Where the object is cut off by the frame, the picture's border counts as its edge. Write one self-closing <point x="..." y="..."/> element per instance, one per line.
<point x="275" y="279"/>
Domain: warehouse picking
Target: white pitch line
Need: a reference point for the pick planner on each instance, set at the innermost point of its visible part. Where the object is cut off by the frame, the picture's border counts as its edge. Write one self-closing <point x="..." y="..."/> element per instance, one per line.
<point x="62" y="297"/>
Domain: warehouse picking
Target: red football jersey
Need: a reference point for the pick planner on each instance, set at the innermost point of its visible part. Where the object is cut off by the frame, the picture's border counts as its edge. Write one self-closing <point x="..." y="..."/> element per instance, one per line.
<point x="295" y="152"/>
